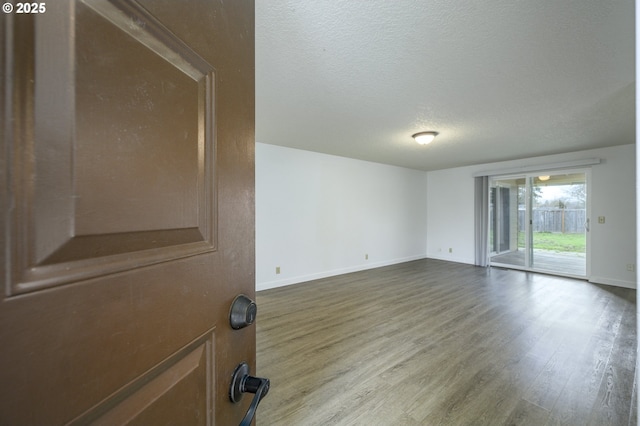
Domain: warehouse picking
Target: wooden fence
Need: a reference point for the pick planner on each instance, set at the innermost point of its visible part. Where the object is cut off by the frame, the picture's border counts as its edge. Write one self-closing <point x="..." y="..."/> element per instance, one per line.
<point x="566" y="221"/>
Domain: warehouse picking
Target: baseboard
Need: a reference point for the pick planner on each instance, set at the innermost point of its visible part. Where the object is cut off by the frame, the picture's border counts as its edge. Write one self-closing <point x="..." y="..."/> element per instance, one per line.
<point x="451" y="259"/>
<point x="326" y="274"/>
<point x="362" y="267"/>
<point x="613" y="282"/>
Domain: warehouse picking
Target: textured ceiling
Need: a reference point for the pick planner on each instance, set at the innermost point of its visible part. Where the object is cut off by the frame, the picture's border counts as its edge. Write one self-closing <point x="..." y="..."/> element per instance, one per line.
<point x="499" y="79"/>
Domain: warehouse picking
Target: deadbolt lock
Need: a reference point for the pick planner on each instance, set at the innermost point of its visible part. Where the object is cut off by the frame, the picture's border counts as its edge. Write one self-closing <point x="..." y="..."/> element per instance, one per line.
<point x="243" y="312"/>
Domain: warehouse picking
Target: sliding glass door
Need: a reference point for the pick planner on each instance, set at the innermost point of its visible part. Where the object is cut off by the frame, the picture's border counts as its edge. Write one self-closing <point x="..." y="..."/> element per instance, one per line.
<point x="539" y="222"/>
<point x="506" y="227"/>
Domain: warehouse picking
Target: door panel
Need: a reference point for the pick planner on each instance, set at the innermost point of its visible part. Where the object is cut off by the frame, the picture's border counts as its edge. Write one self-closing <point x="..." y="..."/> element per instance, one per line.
<point x="548" y="217"/>
<point x="133" y="169"/>
<point x="504" y="209"/>
<point x="505" y="218"/>
<point x="169" y="394"/>
<point x="558" y="218"/>
<point x="128" y="210"/>
<point x="509" y="198"/>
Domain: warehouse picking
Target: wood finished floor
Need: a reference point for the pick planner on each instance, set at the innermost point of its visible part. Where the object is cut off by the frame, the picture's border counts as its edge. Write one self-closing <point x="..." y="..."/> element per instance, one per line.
<point x="434" y="343"/>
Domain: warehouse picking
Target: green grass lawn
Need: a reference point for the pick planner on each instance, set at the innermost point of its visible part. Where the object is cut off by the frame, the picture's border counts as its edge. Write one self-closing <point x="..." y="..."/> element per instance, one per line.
<point x="576" y="243"/>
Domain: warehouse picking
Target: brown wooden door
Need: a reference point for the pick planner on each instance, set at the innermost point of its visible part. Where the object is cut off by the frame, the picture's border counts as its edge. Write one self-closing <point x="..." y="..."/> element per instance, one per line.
<point x="127" y="176"/>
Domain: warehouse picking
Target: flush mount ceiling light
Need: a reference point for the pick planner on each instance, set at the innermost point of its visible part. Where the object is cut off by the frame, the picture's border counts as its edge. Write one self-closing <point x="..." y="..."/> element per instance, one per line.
<point x="424" y="138"/>
<point x="543" y="178"/>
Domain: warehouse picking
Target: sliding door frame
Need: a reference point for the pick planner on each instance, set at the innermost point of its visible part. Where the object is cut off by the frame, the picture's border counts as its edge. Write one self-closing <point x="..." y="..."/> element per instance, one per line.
<point x="528" y="177"/>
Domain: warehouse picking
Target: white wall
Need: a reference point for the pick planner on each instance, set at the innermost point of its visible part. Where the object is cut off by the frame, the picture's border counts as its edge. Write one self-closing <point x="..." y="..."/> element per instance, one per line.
<point x="613" y="244"/>
<point x="637" y="192"/>
<point x="318" y="215"/>
<point x="450" y="215"/>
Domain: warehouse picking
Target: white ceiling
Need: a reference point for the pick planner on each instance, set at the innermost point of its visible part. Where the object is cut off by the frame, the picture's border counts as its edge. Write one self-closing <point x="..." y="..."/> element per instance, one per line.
<point x="499" y="79"/>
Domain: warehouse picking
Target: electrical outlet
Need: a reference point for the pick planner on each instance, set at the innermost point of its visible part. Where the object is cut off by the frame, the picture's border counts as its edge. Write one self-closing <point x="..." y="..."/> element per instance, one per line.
<point x="450" y="250"/>
<point x="277" y="270"/>
<point x="631" y="267"/>
<point x="600" y="219"/>
<point x="366" y="256"/>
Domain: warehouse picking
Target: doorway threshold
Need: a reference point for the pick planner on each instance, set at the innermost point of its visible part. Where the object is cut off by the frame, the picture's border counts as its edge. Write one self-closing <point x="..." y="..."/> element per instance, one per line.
<point x="538" y="271"/>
